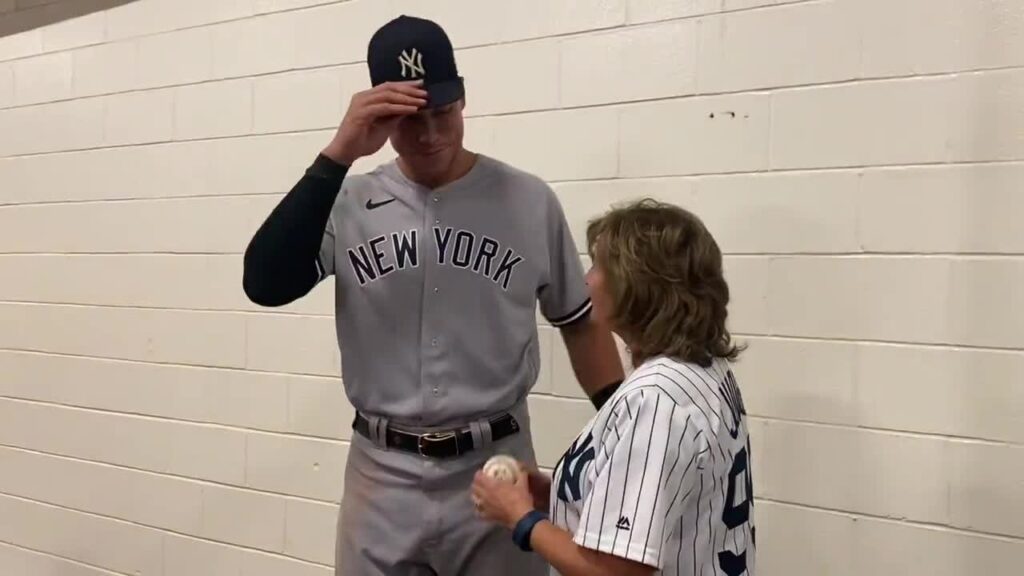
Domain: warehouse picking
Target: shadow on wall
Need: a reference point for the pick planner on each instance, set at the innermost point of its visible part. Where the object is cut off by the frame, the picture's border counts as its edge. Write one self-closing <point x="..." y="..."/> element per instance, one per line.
<point x="22" y="15"/>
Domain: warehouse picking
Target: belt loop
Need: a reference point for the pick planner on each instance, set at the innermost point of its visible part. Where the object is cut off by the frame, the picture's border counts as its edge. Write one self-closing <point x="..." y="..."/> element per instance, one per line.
<point x="481" y="430"/>
<point x="476" y="431"/>
<point x="378" y="430"/>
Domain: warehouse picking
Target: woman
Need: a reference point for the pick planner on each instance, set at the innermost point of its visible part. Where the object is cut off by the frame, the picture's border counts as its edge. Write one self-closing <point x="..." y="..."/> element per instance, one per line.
<point x="658" y="481"/>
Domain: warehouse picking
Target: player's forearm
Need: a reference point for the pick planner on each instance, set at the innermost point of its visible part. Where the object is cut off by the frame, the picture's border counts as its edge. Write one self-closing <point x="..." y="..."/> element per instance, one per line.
<point x="569" y="559"/>
<point x="594" y="356"/>
<point x="280" y="261"/>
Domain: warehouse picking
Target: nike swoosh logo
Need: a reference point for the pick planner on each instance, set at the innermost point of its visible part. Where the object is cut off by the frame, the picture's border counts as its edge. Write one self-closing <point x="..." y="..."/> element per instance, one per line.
<point x="371" y="205"/>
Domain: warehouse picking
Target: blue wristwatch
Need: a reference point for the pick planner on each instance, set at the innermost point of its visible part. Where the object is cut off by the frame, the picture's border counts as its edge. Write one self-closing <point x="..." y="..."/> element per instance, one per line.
<point x="524" y="528"/>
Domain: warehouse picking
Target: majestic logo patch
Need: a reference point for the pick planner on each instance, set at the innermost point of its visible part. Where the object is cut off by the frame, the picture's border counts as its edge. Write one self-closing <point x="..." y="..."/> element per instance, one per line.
<point x="623" y="524"/>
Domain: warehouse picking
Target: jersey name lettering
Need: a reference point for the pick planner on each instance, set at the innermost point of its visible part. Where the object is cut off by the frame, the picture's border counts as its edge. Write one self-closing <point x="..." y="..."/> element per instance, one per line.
<point x="464" y="249"/>
<point x="369" y="262"/>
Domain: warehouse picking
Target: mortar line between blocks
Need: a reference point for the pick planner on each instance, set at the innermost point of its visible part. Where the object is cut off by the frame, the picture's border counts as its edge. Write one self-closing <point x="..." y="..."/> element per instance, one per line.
<point x="62" y="558"/>
<point x="912" y="523"/>
<point x="926" y="346"/>
<point x="165" y="531"/>
<point x="625" y="24"/>
<point x="187" y="479"/>
<point x="890" y="431"/>
<point x="197" y="423"/>
<point x="764" y="90"/>
<point x="341" y="442"/>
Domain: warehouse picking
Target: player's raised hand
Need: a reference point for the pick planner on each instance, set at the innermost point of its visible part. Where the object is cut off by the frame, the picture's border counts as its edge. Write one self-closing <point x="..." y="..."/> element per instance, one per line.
<point x="371" y="117"/>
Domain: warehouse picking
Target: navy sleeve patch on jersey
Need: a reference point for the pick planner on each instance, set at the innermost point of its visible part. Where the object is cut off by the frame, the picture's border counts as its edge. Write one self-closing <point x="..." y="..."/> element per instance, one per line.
<point x="581" y="312"/>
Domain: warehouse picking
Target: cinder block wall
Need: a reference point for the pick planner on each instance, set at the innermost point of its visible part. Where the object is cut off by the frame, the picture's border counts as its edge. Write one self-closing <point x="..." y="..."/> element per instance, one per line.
<point x="858" y="160"/>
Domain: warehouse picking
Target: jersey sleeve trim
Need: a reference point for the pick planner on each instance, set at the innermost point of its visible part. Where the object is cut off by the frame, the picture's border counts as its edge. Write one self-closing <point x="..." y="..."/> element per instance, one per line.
<point x="576" y="315"/>
<point x="320" y="272"/>
<point x="635" y="552"/>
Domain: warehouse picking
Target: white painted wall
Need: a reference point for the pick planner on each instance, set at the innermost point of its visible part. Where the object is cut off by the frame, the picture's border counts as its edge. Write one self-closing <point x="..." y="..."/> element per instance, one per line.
<point x="860" y="161"/>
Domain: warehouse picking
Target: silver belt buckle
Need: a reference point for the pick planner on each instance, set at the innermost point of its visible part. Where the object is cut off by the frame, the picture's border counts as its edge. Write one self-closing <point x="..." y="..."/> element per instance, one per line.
<point x="432" y="437"/>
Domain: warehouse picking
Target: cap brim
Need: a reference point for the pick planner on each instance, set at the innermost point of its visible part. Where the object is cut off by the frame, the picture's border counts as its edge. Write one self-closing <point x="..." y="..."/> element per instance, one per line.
<point x="444" y="93"/>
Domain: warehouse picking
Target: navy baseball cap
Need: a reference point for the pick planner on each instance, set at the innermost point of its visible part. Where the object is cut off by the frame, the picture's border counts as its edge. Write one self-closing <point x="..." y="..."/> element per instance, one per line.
<point x="410" y="48"/>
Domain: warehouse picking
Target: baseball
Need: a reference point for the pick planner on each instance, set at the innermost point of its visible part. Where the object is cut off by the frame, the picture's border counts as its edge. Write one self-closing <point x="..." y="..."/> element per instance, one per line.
<point x="504" y="468"/>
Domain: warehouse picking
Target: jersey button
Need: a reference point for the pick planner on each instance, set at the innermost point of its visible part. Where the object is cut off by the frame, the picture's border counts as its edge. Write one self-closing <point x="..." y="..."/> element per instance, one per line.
<point x="436" y="290"/>
<point x="436" y="199"/>
<point x="433" y="342"/>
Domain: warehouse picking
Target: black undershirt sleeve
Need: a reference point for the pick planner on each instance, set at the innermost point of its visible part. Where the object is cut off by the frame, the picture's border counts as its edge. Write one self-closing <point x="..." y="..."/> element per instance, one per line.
<point x="280" y="263"/>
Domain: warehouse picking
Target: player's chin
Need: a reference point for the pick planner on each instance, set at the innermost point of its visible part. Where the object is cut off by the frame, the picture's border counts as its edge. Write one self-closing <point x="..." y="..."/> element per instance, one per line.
<point x="438" y="158"/>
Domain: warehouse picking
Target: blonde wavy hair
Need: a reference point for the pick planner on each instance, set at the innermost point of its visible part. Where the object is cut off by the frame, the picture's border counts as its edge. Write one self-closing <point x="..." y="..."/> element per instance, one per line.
<point x="663" y="272"/>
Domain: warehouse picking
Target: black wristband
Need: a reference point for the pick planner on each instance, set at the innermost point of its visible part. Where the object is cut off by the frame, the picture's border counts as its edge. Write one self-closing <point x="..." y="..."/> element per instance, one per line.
<point x="524" y="529"/>
<point x="602" y="395"/>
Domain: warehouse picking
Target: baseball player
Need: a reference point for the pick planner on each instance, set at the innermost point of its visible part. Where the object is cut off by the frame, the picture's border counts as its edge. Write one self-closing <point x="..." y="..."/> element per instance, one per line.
<point x="441" y="259"/>
<point x="659" y="481"/>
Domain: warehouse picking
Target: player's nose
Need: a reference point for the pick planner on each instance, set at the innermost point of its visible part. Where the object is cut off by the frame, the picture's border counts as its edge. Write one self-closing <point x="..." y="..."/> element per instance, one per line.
<point x="429" y="133"/>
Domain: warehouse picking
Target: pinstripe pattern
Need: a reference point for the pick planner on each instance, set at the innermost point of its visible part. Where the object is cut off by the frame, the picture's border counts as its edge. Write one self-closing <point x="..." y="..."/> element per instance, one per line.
<point x="660" y="474"/>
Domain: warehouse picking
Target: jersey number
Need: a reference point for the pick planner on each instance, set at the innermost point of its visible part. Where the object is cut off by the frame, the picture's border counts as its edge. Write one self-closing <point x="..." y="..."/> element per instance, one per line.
<point x="735" y="513"/>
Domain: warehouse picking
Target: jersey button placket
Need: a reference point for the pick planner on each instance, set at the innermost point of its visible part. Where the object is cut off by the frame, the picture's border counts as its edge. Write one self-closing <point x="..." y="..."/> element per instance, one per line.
<point x="433" y="341"/>
<point x="433" y="352"/>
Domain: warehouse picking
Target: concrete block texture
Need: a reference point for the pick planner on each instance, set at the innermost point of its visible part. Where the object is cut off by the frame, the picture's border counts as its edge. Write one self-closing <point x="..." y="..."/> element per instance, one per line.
<point x="859" y="163"/>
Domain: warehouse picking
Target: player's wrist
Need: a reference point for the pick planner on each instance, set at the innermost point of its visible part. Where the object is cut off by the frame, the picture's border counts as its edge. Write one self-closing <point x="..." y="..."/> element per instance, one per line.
<point x="340" y="153"/>
<point x="599" y="398"/>
<point x="523" y="529"/>
<point x="324" y="166"/>
<point x="518" y="512"/>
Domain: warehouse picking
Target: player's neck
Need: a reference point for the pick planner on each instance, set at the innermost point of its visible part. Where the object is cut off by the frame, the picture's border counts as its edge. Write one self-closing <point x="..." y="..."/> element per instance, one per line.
<point x="461" y="164"/>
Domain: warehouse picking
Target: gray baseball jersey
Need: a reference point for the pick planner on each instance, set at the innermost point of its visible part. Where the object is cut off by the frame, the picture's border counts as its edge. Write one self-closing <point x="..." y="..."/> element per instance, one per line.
<point x="661" y="474"/>
<point x="437" y="290"/>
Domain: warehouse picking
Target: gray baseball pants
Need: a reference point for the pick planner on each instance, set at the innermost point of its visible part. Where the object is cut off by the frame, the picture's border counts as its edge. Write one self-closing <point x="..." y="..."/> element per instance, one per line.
<point x="406" y="515"/>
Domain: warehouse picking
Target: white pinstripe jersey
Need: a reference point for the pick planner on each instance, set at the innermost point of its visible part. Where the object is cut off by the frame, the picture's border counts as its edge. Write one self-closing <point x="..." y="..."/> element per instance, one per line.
<point x="660" y="475"/>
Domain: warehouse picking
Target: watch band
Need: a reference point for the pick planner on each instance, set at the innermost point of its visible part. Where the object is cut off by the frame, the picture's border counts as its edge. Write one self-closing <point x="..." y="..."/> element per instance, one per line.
<point x="524" y="529"/>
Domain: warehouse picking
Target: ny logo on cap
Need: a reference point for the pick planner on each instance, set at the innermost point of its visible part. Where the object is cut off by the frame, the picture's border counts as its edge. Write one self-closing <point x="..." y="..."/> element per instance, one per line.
<point x="412" y="63"/>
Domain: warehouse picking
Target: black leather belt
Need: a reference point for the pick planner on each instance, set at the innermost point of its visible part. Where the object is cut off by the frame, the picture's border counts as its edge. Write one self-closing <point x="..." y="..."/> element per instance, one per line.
<point x="444" y="444"/>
